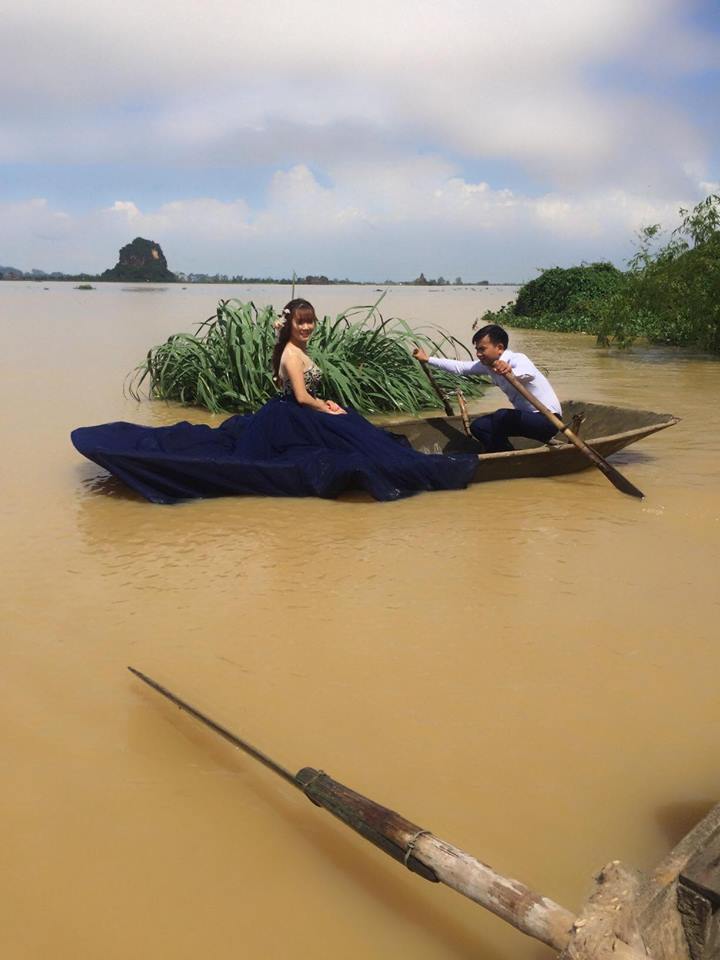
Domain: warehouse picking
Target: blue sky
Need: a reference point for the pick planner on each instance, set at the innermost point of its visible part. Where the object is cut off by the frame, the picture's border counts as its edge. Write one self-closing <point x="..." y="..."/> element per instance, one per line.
<point x="371" y="140"/>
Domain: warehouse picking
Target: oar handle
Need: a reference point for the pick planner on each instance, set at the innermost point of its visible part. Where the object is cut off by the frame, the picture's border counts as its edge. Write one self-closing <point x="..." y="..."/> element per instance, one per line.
<point x="434" y="384"/>
<point x="538" y="404"/>
<point x="552" y="417"/>
<point x="613" y="475"/>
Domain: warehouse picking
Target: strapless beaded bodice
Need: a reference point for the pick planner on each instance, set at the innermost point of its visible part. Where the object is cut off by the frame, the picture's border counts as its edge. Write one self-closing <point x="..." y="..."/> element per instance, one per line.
<point x="313" y="379"/>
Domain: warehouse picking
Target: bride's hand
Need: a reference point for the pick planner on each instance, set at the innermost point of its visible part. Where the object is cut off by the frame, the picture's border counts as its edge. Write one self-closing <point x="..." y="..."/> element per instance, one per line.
<point x="333" y="407"/>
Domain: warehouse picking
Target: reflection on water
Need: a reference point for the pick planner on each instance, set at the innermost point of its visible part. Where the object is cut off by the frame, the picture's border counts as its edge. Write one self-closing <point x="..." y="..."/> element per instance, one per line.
<point x="526" y="668"/>
<point x="144" y="289"/>
<point x="109" y="486"/>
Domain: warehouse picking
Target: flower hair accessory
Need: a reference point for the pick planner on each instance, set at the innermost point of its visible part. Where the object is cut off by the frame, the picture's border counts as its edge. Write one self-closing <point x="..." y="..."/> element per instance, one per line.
<point x="280" y="321"/>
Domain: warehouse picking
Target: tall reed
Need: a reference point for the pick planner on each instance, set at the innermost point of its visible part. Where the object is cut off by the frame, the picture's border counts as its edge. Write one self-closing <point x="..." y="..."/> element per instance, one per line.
<point x="366" y="362"/>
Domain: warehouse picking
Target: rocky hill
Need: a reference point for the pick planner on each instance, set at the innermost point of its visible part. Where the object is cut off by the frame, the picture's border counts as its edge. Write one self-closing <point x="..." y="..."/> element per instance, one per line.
<point x="141" y="260"/>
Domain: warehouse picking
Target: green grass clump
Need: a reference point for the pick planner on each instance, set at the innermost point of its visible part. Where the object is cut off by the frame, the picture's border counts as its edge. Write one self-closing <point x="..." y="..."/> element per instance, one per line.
<point x="581" y="321"/>
<point x="561" y="299"/>
<point x="366" y="362"/>
<point x="562" y="291"/>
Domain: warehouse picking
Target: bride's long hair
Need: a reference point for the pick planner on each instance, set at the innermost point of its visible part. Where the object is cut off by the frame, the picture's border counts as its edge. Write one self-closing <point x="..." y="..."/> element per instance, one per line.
<point x="287" y="313"/>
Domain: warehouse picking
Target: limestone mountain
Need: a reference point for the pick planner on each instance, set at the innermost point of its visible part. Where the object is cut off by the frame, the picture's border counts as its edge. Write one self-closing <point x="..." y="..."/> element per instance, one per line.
<point x="141" y="260"/>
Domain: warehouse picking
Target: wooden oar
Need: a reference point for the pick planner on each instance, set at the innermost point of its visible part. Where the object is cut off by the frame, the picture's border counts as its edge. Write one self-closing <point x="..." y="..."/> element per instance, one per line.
<point x="433" y="383"/>
<point x="419" y="850"/>
<point x="462" y="406"/>
<point x="613" y="475"/>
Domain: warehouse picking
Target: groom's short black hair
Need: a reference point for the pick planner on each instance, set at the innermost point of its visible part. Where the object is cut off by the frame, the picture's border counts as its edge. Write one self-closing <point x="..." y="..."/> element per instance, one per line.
<point x="494" y="333"/>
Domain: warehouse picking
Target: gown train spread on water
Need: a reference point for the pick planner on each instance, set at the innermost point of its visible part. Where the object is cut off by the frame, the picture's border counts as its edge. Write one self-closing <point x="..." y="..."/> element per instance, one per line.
<point x="285" y="449"/>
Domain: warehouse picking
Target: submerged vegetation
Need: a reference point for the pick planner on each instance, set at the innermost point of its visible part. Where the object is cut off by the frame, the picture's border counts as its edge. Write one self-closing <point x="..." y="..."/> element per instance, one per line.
<point x="669" y="294"/>
<point x="366" y="362"/>
<point x="558" y="294"/>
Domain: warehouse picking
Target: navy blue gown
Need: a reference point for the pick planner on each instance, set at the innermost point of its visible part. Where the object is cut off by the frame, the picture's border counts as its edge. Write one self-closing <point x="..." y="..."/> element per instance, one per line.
<point x="285" y="449"/>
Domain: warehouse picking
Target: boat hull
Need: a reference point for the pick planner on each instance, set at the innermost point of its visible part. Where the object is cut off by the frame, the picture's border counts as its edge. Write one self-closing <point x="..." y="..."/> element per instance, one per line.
<point x="607" y="429"/>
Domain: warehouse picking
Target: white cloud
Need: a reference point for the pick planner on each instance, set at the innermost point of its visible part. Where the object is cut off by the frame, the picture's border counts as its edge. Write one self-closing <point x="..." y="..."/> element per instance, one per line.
<point x="212" y="82"/>
<point x="439" y="222"/>
<point x="390" y="103"/>
<point x="126" y="207"/>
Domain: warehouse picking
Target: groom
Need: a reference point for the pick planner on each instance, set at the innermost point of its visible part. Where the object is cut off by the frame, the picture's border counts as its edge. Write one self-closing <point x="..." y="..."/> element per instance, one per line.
<point x="494" y="361"/>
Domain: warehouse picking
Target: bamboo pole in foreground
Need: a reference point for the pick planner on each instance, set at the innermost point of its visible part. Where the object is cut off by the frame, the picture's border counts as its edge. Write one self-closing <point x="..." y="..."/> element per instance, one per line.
<point x="424" y="853"/>
<point x="440" y="862"/>
<point x="605" y="930"/>
<point x="530" y="912"/>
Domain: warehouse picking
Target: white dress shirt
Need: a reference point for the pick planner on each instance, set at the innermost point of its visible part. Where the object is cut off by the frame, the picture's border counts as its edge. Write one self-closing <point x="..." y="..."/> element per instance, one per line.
<point x="523" y="368"/>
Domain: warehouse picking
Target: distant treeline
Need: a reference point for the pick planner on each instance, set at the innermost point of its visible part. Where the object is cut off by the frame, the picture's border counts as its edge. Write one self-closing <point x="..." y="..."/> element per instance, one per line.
<point x="12" y="273"/>
<point x="669" y="294"/>
<point x="143" y="261"/>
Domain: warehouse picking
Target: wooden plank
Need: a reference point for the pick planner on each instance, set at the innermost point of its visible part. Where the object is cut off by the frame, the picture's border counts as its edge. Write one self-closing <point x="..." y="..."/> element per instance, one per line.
<point x="697" y="920"/>
<point x="678" y="921"/>
<point x="698" y="897"/>
<point x="702" y="872"/>
<point x="700" y="838"/>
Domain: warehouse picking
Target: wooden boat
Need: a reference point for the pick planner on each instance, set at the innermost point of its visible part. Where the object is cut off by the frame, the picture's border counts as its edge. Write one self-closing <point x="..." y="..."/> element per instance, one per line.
<point x="606" y="428"/>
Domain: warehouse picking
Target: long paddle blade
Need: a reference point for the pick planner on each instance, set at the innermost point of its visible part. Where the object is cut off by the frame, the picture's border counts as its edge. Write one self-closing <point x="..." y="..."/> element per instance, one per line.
<point x="614" y="476"/>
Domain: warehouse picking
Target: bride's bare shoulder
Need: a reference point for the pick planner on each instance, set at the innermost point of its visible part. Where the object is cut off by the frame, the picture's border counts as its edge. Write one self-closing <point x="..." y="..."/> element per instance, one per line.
<point x="292" y="356"/>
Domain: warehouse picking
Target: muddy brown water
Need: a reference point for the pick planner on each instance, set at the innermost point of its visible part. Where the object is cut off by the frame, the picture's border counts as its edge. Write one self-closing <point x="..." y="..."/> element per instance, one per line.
<point x="529" y="669"/>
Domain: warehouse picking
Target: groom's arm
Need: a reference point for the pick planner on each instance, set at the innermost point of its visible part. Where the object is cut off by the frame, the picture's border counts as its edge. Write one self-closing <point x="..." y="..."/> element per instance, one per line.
<point x="463" y="368"/>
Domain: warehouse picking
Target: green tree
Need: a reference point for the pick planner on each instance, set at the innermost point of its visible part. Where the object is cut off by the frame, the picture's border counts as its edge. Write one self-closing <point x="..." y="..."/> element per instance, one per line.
<point x="670" y="294"/>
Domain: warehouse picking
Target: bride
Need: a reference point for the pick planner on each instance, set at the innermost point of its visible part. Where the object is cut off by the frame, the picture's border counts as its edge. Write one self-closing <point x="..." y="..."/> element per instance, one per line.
<point x="292" y="368"/>
<point x="297" y="444"/>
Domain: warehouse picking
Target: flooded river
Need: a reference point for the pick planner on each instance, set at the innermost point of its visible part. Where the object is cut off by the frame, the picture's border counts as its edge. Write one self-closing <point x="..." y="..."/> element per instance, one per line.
<point x="529" y="669"/>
